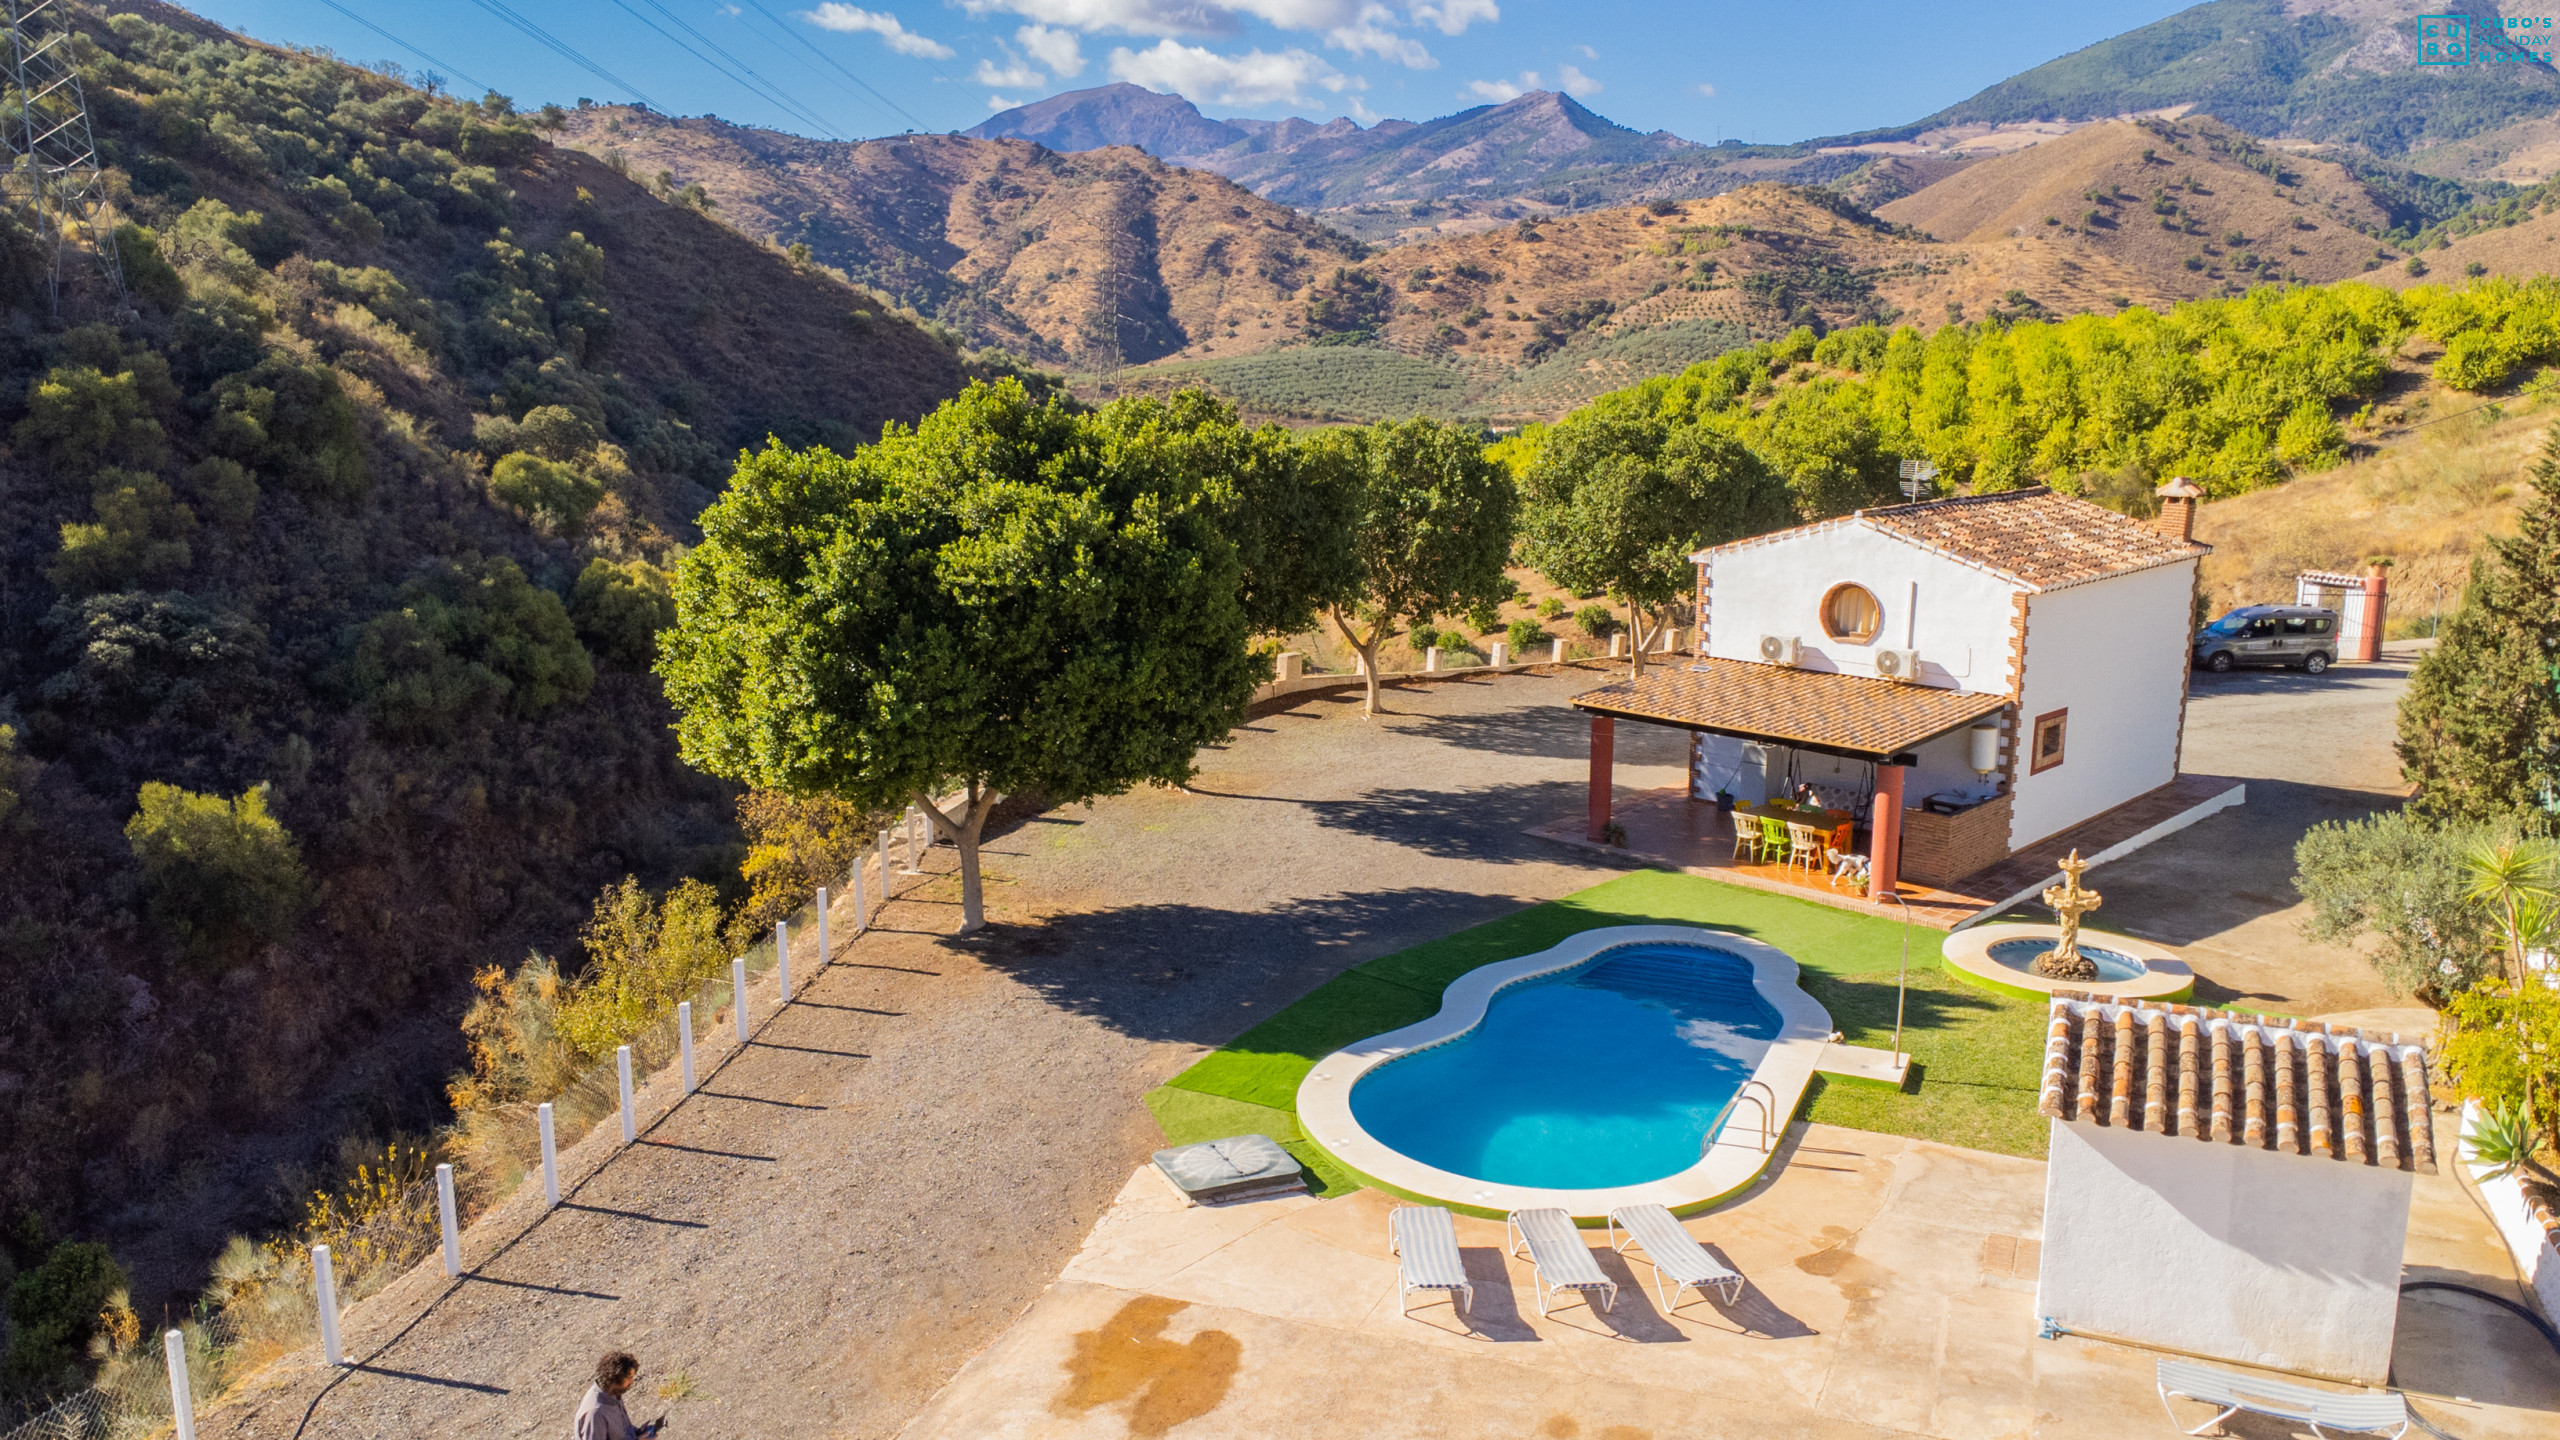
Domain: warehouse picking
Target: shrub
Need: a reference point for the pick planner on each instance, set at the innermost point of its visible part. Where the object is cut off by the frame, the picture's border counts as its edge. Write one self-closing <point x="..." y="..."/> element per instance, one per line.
<point x="293" y="421"/>
<point x="1596" y="621"/>
<point x="145" y="273"/>
<point x="80" y="418"/>
<point x="2401" y="881"/>
<point x="1552" y="608"/>
<point x="793" y="847"/>
<point x="643" y="956"/>
<point x="1485" y="617"/>
<point x="556" y="433"/>
<point x="223" y="876"/>
<point x="134" y="655"/>
<point x="225" y="489"/>
<point x="619" y="610"/>
<point x="55" y="1310"/>
<point x="139" y="535"/>
<point x="468" y="636"/>
<point x="1522" y="634"/>
<point x="558" y="497"/>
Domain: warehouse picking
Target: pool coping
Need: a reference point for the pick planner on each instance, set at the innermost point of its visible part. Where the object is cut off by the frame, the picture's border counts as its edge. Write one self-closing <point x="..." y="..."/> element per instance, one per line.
<point x="2165" y="977"/>
<point x="1732" y="1161"/>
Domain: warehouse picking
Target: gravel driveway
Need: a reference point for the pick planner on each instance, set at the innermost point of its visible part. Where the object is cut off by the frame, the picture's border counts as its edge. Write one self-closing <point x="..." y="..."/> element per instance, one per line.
<point x="909" y="1153"/>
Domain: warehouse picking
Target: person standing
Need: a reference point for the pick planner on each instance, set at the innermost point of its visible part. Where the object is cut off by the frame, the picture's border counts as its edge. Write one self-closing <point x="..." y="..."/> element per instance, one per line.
<point x="600" y="1413"/>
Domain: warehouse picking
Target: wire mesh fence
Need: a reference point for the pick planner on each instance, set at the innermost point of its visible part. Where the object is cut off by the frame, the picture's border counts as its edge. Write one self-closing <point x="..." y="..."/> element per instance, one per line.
<point x="131" y="1400"/>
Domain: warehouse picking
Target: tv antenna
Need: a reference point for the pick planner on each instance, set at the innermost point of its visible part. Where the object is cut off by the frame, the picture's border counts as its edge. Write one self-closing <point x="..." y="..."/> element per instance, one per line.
<point x="1919" y="478"/>
<point x="54" y="185"/>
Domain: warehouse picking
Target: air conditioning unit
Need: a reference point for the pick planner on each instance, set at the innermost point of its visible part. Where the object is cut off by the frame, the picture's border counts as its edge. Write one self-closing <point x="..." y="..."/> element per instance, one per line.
<point x="1898" y="664"/>
<point x="1780" y="649"/>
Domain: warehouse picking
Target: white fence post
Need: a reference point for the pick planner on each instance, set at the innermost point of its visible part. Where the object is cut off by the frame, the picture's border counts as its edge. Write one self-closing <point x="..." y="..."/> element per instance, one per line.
<point x="1555" y="652"/>
<point x="684" y="1041"/>
<point x="861" y="907"/>
<point x="822" y="929"/>
<point x="884" y="866"/>
<point x="1431" y="660"/>
<point x="738" y="995"/>
<point x="782" y="956"/>
<point x="325" y="1281"/>
<point x="182" y="1399"/>
<point x="452" y="1224"/>
<point x="550" y="1155"/>
<point x="914" y="865"/>
<point x="622" y="1068"/>
<point x="1500" y="654"/>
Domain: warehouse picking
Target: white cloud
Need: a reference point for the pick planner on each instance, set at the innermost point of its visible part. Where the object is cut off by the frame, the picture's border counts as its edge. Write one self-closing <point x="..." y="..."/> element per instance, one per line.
<point x="1587" y="52"/>
<point x="1206" y="77"/>
<point x="1013" y="72"/>
<point x="1500" y="90"/>
<point x="1370" y="35"/>
<point x="999" y="103"/>
<point x="1173" y="17"/>
<point x="1574" y="82"/>
<point x="1707" y="90"/>
<point x="1054" y="48"/>
<point x="848" y="20"/>
<point x="1454" y="16"/>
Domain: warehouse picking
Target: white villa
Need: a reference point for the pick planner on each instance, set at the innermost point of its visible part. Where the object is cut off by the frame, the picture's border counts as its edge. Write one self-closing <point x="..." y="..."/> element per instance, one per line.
<point x="1967" y="676"/>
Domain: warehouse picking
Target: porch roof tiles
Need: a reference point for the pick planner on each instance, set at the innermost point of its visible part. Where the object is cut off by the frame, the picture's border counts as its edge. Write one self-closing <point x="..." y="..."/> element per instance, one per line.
<point x="2295" y="1087"/>
<point x="1850" y="715"/>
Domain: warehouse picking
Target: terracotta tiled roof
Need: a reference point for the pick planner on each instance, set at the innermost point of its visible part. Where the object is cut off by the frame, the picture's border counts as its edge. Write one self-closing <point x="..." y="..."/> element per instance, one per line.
<point x="2296" y="1087"/>
<point x="1818" y="709"/>
<point x="2034" y="537"/>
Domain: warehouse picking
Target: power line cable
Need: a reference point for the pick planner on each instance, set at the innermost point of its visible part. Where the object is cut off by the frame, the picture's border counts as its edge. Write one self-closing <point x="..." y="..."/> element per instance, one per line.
<point x="403" y="44"/>
<point x="758" y="85"/>
<point x="809" y="45"/>
<point x="564" y="50"/>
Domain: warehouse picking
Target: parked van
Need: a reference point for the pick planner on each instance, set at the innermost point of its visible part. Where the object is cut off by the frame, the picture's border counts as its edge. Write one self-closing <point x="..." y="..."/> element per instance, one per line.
<point x="2304" y="635"/>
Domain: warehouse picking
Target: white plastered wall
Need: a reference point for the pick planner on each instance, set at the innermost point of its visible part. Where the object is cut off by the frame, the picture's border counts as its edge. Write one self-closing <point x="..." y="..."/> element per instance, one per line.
<point x="1959" y="622"/>
<point x="2248" y="1255"/>
<point x="2114" y="654"/>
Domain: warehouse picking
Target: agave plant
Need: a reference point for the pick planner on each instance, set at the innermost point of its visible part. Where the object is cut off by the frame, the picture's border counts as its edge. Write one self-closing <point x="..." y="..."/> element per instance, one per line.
<point x="2504" y="1139"/>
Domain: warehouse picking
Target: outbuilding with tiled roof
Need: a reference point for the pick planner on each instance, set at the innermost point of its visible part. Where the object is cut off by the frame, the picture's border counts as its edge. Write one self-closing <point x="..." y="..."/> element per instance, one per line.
<point x="2230" y="1184"/>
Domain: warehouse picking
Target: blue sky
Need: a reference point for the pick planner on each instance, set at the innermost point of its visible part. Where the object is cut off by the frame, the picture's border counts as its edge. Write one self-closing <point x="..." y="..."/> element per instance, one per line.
<point x="1703" y="70"/>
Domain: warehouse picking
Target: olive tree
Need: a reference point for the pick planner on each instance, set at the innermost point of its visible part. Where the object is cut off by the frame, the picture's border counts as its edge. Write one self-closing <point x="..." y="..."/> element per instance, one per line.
<point x="1006" y="598"/>
<point x="1616" y="501"/>
<point x="1430" y="530"/>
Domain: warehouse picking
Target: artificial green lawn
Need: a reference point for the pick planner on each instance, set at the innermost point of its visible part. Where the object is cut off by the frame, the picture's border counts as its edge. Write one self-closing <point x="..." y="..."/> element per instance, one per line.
<point x="1976" y="1057"/>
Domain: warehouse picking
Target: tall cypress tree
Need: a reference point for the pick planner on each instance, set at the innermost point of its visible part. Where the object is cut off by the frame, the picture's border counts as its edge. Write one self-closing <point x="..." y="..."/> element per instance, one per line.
<point x="2480" y="726"/>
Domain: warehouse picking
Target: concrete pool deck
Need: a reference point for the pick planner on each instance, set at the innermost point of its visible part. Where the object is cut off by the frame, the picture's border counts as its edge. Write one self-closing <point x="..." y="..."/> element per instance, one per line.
<point x="1891" y="1291"/>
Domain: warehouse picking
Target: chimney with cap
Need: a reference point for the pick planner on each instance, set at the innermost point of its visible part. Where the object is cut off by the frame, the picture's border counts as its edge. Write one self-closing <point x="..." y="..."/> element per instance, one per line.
<point x="2178" y="507"/>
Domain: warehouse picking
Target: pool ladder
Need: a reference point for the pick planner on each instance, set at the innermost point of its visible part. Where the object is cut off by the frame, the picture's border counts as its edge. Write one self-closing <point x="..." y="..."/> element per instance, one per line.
<point x="1768" y="1115"/>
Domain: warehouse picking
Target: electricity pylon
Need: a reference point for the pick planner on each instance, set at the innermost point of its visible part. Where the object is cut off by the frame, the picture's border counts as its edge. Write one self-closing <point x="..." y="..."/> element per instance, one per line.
<point x="54" y="185"/>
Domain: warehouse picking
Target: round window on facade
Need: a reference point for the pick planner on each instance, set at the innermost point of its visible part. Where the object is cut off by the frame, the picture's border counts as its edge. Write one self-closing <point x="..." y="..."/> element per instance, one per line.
<point x="1850" y="613"/>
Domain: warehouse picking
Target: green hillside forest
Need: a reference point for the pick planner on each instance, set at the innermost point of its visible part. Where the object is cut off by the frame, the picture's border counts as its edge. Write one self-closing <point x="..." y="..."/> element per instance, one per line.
<point x="330" y="564"/>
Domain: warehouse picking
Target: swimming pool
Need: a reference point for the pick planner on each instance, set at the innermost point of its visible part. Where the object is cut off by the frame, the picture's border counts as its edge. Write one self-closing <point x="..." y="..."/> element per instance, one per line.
<point x="1609" y="1073"/>
<point x="1591" y="1075"/>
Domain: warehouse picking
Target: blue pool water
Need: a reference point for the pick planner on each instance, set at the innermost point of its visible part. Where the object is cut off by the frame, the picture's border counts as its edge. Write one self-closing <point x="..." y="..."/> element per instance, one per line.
<point x="1606" y="1074"/>
<point x="2020" y="955"/>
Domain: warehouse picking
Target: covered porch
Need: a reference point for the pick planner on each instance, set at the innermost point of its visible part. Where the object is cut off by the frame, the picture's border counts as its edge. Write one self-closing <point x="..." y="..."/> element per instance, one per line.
<point x="1918" y="774"/>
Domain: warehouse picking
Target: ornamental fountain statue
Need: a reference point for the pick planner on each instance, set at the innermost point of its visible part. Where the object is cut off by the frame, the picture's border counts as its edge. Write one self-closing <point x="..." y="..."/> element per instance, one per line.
<point x="2069" y="902"/>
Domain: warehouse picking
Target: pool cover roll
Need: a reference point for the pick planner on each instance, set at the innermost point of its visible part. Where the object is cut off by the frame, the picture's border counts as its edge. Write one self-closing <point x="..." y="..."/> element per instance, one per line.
<point x="1235" y="1168"/>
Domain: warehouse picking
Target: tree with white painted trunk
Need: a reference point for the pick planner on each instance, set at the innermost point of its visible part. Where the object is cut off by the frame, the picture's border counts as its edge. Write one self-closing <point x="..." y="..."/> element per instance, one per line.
<point x="1430" y="533"/>
<point x="1007" y="598"/>
<point x="1616" y="500"/>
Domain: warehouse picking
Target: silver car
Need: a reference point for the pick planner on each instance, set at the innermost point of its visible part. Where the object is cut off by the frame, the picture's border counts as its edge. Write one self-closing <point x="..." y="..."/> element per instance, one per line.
<point x="2289" y="635"/>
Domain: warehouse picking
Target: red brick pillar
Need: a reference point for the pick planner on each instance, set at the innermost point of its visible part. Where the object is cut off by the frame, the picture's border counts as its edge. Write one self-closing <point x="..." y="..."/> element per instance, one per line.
<point x="1884" y="856"/>
<point x="2369" y="643"/>
<point x="1604" y="775"/>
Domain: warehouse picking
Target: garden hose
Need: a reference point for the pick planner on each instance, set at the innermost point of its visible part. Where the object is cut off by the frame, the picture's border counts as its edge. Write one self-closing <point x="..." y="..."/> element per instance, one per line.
<point x="2527" y="1316"/>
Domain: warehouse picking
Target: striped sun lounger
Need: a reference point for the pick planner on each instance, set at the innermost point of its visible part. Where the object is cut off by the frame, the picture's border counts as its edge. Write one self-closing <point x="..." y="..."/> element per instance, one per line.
<point x="1558" y="1258"/>
<point x="1675" y="1257"/>
<point x="2345" y="1412"/>
<point x="1425" y="1243"/>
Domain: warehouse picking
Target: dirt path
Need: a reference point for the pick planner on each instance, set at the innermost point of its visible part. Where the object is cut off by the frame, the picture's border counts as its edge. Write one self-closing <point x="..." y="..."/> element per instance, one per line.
<point x="905" y="1156"/>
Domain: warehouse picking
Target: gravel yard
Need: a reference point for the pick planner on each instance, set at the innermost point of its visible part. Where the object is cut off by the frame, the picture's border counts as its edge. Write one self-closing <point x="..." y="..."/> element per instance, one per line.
<point x="911" y="1151"/>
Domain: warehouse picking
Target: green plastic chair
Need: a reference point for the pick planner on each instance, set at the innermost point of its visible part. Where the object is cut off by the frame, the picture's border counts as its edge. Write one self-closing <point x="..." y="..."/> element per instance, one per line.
<point x="1774" y="846"/>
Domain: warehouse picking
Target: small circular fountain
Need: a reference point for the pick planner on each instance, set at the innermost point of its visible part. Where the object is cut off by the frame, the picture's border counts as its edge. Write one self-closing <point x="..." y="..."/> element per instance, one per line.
<point x="2037" y="960"/>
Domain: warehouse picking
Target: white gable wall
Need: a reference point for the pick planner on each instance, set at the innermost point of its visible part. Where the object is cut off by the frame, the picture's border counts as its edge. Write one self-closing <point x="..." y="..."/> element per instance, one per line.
<point x="2267" y="1259"/>
<point x="1960" y="622"/>
<point x="2114" y="654"/>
